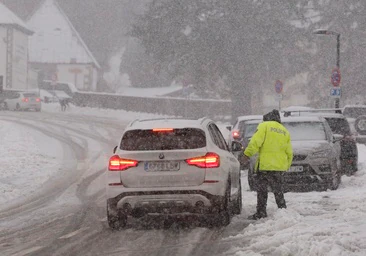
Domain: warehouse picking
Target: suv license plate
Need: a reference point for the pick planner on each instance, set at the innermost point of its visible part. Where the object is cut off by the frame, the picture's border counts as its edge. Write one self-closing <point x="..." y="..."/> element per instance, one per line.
<point x="161" y="166"/>
<point x="296" y="169"/>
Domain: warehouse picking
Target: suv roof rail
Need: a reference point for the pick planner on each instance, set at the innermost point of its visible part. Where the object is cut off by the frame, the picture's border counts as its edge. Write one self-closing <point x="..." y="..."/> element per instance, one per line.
<point x="336" y="110"/>
<point x="134" y="121"/>
<point x="203" y="119"/>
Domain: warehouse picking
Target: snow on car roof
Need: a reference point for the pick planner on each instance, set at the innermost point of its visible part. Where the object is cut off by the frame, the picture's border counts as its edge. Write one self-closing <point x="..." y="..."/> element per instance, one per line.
<point x="250" y="117"/>
<point x="165" y="123"/>
<point x="293" y="119"/>
<point x="297" y="108"/>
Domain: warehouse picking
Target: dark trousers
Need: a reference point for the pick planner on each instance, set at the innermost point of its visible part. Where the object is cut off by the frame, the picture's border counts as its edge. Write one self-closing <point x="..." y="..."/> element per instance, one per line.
<point x="273" y="180"/>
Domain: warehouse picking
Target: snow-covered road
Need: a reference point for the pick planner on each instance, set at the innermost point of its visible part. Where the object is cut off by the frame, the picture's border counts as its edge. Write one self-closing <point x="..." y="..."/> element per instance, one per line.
<point x="52" y="200"/>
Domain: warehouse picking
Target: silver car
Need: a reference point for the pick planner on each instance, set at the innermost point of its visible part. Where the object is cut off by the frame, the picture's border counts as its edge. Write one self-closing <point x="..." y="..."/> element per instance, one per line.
<point x="173" y="166"/>
<point x="22" y="101"/>
<point x="316" y="163"/>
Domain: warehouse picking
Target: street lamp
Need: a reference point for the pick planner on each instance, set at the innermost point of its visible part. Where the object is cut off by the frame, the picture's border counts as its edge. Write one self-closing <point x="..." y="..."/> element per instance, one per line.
<point x="328" y="32"/>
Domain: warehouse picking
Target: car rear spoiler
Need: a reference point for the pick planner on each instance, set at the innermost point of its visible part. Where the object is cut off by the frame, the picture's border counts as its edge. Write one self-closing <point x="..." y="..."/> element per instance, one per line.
<point x="288" y="112"/>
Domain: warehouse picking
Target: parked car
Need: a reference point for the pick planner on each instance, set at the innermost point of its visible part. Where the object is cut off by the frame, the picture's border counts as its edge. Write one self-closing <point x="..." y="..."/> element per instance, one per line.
<point x="340" y="128"/>
<point x="356" y="116"/>
<point x="237" y="134"/>
<point x="316" y="162"/>
<point x="14" y="100"/>
<point x="173" y="166"/>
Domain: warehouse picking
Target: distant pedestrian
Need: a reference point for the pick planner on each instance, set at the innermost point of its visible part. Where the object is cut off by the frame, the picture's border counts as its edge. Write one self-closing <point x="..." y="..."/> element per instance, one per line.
<point x="63" y="104"/>
<point x="273" y="144"/>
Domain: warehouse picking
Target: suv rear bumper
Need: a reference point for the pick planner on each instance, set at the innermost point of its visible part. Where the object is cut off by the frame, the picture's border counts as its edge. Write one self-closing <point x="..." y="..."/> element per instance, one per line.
<point x="167" y="202"/>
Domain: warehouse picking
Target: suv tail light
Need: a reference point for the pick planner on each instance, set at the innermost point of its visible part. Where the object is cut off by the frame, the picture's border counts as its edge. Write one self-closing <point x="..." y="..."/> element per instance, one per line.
<point x="210" y="160"/>
<point x="38" y="100"/>
<point x="25" y="99"/>
<point x="235" y="134"/>
<point x="119" y="164"/>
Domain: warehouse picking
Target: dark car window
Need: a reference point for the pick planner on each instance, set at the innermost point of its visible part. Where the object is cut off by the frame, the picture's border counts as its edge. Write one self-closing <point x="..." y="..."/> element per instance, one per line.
<point x="220" y="138"/>
<point x="339" y="125"/>
<point x="187" y="138"/>
<point x="250" y="129"/>
<point x="29" y="95"/>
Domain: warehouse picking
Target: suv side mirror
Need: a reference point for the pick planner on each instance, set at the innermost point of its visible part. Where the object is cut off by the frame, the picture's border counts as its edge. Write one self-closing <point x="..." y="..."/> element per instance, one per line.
<point x="236" y="146"/>
<point x="115" y="149"/>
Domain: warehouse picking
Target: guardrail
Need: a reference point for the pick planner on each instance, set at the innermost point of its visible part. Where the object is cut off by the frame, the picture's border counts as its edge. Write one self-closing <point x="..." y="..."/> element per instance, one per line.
<point x="189" y="108"/>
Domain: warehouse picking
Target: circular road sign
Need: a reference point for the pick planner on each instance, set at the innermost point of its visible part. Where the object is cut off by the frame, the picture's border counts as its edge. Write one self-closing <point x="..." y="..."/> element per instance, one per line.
<point x="278" y="86"/>
<point x="336" y="77"/>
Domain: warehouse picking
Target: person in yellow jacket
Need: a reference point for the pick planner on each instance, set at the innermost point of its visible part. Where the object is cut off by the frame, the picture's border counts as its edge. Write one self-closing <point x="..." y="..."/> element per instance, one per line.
<point x="272" y="142"/>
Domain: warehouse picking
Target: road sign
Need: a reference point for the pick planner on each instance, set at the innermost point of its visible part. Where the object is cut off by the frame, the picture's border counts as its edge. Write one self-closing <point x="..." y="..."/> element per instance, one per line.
<point x="336" y="77"/>
<point x="278" y="97"/>
<point x="335" y="92"/>
<point x="278" y="86"/>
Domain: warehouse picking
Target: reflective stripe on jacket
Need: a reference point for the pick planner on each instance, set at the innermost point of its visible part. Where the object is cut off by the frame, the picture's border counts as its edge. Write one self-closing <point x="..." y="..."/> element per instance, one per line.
<point x="273" y="143"/>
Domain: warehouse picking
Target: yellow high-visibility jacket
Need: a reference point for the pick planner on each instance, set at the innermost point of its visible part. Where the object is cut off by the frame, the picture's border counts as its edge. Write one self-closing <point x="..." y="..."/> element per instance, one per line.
<point x="273" y="143"/>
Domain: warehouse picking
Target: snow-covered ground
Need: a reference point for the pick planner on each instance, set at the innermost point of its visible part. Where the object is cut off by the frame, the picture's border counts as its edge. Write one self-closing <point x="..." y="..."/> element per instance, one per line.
<point x="315" y="223"/>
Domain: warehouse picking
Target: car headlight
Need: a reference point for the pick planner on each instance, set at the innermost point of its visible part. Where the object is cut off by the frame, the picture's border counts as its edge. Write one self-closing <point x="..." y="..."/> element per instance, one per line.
<point x="321" y="154"/>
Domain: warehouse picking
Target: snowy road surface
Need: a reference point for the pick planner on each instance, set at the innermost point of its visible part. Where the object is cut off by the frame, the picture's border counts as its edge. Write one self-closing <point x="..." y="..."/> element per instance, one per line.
<point x="52" y="200"/>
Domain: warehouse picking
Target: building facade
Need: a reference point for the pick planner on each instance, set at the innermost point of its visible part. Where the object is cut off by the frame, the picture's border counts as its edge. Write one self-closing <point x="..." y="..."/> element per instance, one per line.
<point x="14" y="35"/>
<point x="57" y="50"/>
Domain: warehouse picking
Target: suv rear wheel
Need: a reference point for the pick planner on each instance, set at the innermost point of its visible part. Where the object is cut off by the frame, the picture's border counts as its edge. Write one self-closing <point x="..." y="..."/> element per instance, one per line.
<point x="116" y="219"/>
<point x="223" y="217"/>
<point x="238" y="202"/>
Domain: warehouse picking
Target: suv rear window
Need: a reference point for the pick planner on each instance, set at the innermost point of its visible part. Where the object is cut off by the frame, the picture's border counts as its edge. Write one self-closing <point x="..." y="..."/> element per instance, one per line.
<point x="339" y="126"/>
<point x="143" y="140"/>
<point x="29" y="95"/>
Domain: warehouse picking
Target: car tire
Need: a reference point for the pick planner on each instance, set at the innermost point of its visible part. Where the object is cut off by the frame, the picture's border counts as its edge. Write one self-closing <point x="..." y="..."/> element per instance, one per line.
<point x="238" y="202"/>
<point x="6" y="106"/>
<point x="335" y="181"/>
<point x="359" y="124"/>
<point x="223" y="217"/>
<point x="17" y="107"/>
<point x="116" y="219"/>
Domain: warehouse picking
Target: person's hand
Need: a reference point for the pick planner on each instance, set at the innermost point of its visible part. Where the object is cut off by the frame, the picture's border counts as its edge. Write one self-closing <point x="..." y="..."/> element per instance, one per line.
<point x="246" y="159"/>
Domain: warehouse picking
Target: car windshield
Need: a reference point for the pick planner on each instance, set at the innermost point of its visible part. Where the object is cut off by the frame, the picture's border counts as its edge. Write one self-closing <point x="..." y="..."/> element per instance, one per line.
<point x="142" y="140"/>
<point x="354" y="112"/>
<point x="339" y="125"/>
<point x="303" y="131"/>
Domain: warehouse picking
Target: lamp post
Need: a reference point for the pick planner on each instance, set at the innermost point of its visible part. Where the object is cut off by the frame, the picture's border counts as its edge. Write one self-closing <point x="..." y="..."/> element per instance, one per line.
<point x="328" y="32"/>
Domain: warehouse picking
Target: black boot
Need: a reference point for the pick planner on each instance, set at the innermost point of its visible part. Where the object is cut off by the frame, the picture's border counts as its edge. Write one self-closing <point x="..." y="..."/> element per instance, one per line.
<point x="257" y="216"/>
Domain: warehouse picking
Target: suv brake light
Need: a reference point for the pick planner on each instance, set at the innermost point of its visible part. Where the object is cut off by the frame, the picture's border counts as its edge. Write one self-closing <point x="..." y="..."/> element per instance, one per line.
<point x="119" y="164"/>
<point x="25" y="99"/>
<point x="235" y="134"/>
<point x="163" y="130"/>
<point x="38" y="100"/>
<point x="210" y="160"/>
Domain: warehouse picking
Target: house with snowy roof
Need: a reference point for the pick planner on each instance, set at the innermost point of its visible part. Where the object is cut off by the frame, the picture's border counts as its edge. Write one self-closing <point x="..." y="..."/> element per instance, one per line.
<point x="14" y="35"/>
<point x="57" y="50"/>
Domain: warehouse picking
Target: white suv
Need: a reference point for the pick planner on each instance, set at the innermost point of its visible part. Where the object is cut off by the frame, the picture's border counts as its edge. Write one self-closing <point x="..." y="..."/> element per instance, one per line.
<point x="173" y="166"/>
